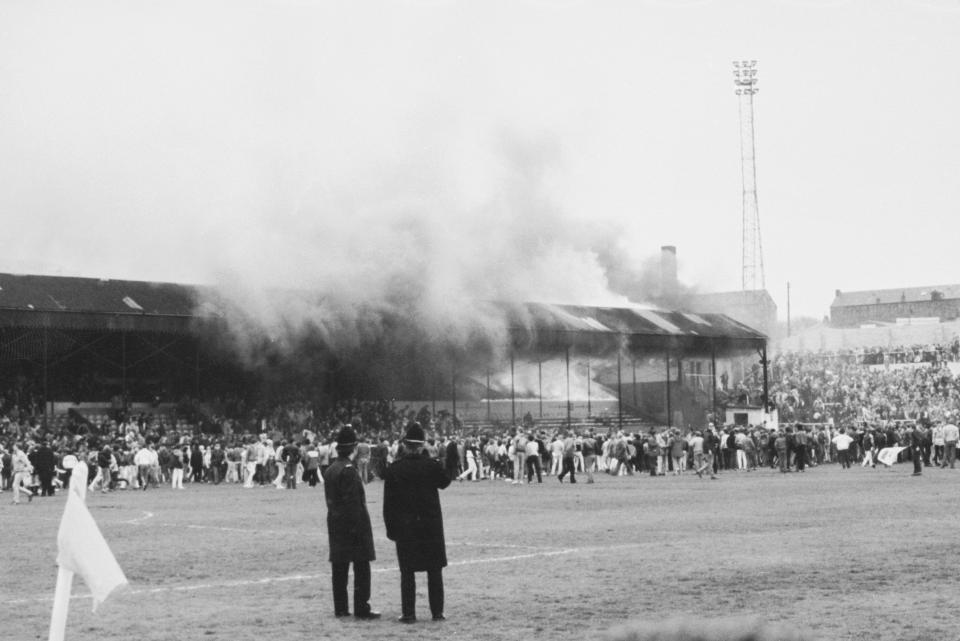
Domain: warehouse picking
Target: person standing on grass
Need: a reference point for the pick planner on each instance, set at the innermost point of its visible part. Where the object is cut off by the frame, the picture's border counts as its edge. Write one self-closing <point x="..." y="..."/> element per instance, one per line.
<point x="869" y="449"/>
<point x="589" y="450"/>
<point x="471" y="455"/>
<point x="842" y="442"/>
<point x="311" y="465"/>
<point x="781" y="444"/>
<point x="519" y="448"/>
<point x="533" y="459"/>
<point x="104" y="475"/>
<point x="176" y="469"/>
<point x="800" y="447"/>
<point x="918" y="437"/>
<point x="291" y="458"/>
<point x="363" y="459"/>
<point x="143" y="460"/>
<point x="45" y="466"/>
<point x="349" y="530"/>
<point x="569" y="449"/>
<point x="651" y="451"/>
<point x="250" y="455"/>
<point x="22" y="472"/>
<point x="951" y="434"/>
<point x="414" y="521"/>
<point x="217" y="458"/>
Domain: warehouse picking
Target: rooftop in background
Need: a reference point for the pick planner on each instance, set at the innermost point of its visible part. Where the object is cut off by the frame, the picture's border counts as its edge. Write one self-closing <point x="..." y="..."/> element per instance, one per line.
<point x="896" y="295"/>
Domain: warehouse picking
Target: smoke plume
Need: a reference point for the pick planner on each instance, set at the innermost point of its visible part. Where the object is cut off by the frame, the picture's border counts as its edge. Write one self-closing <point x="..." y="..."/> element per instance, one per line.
<point x="404" y="261"/>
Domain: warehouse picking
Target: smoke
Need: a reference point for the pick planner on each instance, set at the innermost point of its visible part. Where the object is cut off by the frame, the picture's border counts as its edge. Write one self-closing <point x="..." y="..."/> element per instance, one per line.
<point x="408" y="257"/>
<point x="639" y="279"/>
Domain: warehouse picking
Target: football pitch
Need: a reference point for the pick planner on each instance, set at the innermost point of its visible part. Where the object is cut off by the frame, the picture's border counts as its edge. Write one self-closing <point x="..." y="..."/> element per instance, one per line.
<point x="845" y="554"/>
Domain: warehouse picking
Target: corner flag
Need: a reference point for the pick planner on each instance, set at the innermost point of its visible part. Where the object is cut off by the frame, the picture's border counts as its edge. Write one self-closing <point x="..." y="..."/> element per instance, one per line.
<point x="83" y="550"/>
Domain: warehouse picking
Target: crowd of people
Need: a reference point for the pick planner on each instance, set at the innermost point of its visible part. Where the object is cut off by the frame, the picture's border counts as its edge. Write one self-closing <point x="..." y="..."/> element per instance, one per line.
<point x="144" y="461"/>
<point x="833" y="408"/>
<point x="855" y="386"/>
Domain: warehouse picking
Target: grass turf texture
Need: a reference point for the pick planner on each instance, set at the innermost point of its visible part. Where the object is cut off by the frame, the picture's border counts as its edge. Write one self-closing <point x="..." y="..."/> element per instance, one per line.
<point x="846" y="554"/>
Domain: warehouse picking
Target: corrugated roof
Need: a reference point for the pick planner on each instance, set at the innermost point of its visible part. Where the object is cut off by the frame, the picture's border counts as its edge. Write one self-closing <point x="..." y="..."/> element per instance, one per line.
<point x="630" y="321"/>
<point x="92" y="295"/>
<point x="900" y="295"/>
<point x="21" y="296"/>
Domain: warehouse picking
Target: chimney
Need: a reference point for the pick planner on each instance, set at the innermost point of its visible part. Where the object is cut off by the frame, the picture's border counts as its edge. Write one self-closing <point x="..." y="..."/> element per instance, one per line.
<point x="668" y="276"/>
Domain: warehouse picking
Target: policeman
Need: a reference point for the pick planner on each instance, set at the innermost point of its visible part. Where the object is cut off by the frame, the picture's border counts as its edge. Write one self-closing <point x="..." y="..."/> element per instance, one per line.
<point x="348" y="526"/>
<point x="411" y="512"/>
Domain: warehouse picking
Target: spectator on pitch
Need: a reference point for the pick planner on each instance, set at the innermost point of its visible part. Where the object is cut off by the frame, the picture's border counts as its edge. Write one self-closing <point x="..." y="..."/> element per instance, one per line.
<point x="569" y="449"/>
<point x="218" y="458"/>
<point x="196" y="462"/>
<point x="311" y="465"/>
<point x="869" y="449"/>
<point x="556" y="455"/>
<point x="414" y="521"/>
<point x="176" y="468"/>
<point x="937" y="436"/>
<point x="842" y="442"/>
<point x="290" y="454"/>
<point x="233" y="454"/>
<point x="349" y="530"/>
<point x="249" y="463"/>
<point x="651" y="452"/>
<point x="533" y="459"/>
<point x="363" y="459"/>
<point x="519" y="449"/>
<point x="800" y="439"/>
<point x="143" y="459"/>
<point x="918" y="437"/>
<point x="781" y="445"/>
<point x="472" y="455"/>
<point x="451" y="460"/>
<point x="45" y="467"/>
<point x="951" y="434"/>
<point x="589" y="450"/>
<point x="105" y="463"/>
<point x="22" y="473"/>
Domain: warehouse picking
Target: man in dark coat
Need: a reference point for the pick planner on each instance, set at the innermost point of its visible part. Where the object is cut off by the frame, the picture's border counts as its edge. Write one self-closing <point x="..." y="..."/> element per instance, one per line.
<point x="411" y="512"/>
<point x="45" y="465"/>
<point x="348" y="527"/>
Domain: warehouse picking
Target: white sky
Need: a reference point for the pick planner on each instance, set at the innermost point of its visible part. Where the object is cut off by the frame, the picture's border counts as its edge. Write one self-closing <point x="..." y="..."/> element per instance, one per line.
<point x="195" y="140"/>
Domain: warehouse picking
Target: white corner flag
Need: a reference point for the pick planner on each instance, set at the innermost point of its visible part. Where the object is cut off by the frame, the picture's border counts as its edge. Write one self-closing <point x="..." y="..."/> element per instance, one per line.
<point x="84" y="551"/>
<point x="81" y="550"/>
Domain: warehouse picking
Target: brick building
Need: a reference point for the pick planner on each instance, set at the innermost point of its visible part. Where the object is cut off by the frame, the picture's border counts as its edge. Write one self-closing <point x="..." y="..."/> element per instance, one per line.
<point x="902" y="305"/>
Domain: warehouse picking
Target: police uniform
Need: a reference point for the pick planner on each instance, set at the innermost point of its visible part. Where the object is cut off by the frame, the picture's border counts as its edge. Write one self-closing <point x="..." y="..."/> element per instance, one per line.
<point x="348" y="527"/>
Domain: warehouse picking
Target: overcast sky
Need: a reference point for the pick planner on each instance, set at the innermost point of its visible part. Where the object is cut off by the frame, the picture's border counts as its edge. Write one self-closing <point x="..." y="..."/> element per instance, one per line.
<point x="205" y="140"/>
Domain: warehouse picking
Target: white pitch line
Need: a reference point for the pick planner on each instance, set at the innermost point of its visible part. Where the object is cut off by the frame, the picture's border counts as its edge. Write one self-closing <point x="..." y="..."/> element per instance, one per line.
<point x="313" y="577"/>
<point x="139" y="520"/>
<point x="502" y="545"/>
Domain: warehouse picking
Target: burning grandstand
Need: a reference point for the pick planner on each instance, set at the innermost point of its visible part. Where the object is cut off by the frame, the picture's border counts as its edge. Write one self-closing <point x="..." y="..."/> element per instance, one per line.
<point x="81" y="343"/>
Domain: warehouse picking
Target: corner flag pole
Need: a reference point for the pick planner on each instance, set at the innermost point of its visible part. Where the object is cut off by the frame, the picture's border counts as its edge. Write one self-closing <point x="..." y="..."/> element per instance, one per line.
<point x="61" y="597"/>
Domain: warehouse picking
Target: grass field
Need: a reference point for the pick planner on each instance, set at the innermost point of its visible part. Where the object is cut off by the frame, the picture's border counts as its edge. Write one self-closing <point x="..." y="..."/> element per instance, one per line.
<point x="847" y="554"/>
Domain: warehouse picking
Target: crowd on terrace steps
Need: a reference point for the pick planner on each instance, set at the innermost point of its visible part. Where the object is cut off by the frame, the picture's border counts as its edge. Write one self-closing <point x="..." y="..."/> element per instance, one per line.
<point x="873" y="398"/>
<point x="855" y="386"/>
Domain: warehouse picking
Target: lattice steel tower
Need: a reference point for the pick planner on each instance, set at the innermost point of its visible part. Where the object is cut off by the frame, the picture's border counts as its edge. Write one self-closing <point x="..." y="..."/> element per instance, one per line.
<point x="745" y="79"/>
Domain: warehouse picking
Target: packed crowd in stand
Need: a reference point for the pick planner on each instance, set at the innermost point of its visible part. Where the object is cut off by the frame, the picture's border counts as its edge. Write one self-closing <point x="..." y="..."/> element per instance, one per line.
<point x="840" y="408"/>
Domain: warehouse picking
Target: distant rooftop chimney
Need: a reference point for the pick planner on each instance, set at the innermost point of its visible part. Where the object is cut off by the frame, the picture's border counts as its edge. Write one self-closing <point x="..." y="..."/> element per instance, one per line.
<point x="668" y="275"/>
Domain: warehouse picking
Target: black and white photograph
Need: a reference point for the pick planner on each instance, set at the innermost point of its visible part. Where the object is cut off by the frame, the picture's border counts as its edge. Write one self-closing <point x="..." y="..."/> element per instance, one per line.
<point x="628" y="320"/>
